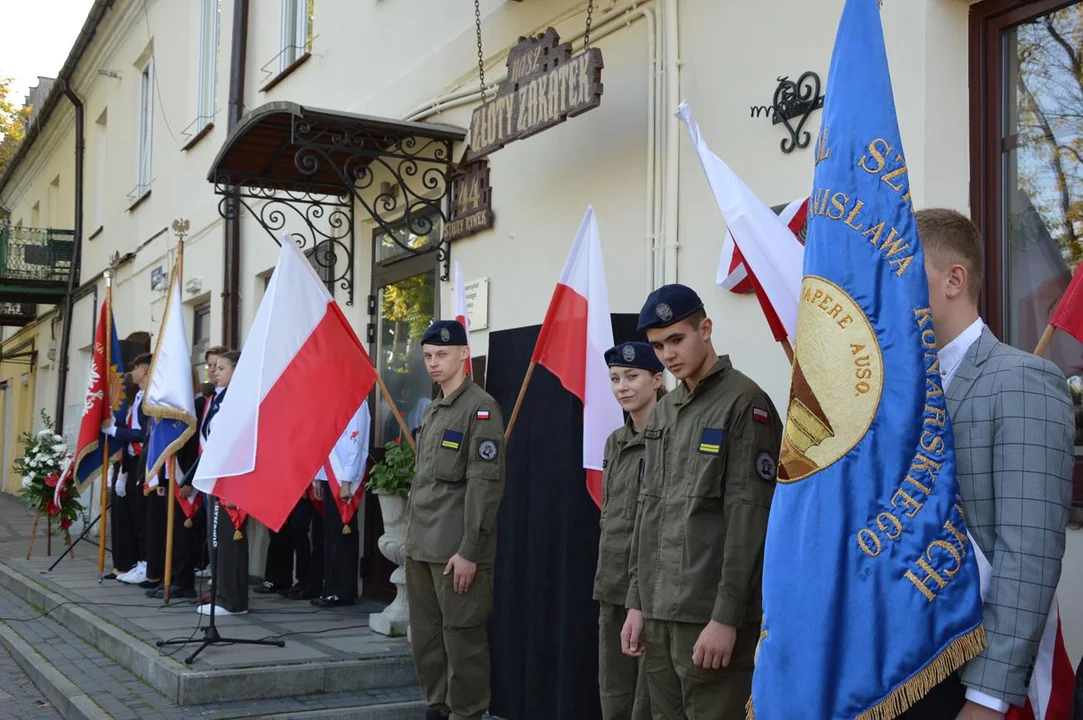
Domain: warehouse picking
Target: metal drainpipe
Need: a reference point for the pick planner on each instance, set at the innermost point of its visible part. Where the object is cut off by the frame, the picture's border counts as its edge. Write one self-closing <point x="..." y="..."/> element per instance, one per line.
<point x="76" y="255"/>
<point x="231" y="250"/>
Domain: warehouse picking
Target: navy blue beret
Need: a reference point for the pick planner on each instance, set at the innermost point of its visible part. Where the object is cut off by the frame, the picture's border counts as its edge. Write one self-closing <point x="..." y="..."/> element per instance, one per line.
<point x="445" y="332"/>
<point x="633" y="355"/>
<point x="667" y="305"/>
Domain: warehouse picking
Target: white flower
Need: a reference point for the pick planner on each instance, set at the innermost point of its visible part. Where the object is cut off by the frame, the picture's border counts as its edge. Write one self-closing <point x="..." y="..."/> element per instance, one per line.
<point x="27" y="481"/>
<point x="60" y="447"/>
<point x="44" y="433"/>
<point x="57" y="438"/>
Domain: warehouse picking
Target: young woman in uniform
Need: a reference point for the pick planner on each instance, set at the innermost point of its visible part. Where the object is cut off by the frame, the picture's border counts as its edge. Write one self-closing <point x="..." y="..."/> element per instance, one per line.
<point x="635" y="375"/>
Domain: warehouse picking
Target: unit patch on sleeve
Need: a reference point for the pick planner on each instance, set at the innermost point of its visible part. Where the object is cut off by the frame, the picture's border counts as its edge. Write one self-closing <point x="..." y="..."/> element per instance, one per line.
<point x="451" y="440"/>
<point x="483" y="414"/>
<point x="765" y="466"/>
<point x="710" y="442"/>
<point x="760" y="416"/>
<point x="487" y="450"/>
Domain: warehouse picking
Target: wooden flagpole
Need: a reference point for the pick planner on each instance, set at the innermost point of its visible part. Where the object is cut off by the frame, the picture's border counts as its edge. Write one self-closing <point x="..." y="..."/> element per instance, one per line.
<point x="519" y="400"/>
<point x="395" y="411"/>
<point x="1043" y="342"/>
<point x="169" y="521"/>
<point x="787" y="348"/>
<point x="107" y="398"/>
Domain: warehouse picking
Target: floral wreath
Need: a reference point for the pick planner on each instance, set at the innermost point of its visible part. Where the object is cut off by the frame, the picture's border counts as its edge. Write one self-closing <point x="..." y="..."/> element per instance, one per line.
<point x="44" y="462"/>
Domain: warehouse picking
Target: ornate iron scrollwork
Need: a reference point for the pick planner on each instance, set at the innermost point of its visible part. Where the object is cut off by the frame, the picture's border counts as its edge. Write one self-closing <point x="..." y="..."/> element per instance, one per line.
<point x="793" y="100"/>
<point x="325" y="232"/>
<point x="401" y="181"/>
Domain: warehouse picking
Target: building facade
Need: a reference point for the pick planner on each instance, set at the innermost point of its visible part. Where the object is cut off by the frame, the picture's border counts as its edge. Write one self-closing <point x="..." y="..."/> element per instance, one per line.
<point x="172" y="93"/>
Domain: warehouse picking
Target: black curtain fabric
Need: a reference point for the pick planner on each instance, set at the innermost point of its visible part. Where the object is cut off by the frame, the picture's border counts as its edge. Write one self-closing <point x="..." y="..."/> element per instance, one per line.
<point x="544" y="629"/>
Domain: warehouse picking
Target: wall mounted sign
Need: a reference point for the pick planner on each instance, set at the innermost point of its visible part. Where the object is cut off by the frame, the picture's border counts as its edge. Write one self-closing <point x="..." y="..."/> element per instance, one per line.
<point x="793" y="101"/>
<point x="546" y="85"/>
<point x="477" y="303"/>
<point x="471" y="201"/>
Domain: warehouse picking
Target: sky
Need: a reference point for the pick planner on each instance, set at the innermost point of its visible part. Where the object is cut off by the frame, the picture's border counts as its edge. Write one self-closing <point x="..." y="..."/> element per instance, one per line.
<point x="36" y="37"/>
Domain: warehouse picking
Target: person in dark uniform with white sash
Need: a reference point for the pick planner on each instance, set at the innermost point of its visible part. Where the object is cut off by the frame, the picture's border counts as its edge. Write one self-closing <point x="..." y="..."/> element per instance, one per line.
<point x="231" y="574"/>
<point x="132" y="435"/>
<point x="341" y="548"/>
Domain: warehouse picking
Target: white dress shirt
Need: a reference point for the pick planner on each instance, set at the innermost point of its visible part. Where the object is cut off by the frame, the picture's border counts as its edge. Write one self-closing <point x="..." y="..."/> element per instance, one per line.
<point x="951" y="357"/>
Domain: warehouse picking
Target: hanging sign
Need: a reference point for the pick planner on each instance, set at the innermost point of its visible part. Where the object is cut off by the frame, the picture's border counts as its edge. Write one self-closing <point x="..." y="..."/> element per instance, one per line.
<point x="471" y="201"/>
<point x="546" y="85"/>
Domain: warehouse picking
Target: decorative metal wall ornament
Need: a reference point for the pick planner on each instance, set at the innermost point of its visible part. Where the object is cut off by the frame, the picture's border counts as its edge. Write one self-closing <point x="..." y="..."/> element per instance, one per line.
<point x="325" y="232"/>
<point x="793" y="100"/>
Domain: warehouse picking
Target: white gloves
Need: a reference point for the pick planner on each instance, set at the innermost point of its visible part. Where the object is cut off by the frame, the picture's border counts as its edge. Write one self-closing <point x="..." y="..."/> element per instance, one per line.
<point x="122" y="484"/>
<point x="111" y="431"/>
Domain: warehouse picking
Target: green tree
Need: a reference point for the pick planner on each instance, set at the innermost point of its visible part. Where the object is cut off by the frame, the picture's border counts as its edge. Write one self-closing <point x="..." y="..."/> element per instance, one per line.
<point x="13" y="122"/>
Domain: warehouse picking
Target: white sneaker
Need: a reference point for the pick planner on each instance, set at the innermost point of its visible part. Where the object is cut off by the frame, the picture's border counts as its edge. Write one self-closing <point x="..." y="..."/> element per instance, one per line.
<point x="218" y="610"/>
<point x="136" y="576"/>
<point x="204" y="573"/>
<point x="124" y="576"/>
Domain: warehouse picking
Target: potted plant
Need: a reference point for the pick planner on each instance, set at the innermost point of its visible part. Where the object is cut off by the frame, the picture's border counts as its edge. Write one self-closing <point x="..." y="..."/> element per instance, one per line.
<point x="389" y="480"/>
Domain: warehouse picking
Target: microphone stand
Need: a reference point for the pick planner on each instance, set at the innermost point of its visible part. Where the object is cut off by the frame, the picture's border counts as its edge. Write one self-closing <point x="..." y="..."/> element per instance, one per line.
<point x="82" y="536"/>
<point x="211" y="635"/>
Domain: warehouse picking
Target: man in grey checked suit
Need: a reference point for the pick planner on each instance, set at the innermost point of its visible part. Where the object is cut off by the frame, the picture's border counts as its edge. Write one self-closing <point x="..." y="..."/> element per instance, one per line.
<point x="1014" y="434"/>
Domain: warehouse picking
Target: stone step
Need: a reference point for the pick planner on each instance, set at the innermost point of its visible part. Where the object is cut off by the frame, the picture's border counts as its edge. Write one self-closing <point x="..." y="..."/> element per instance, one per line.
<point x="82" y="683"/>
<point x="200" y="685"/>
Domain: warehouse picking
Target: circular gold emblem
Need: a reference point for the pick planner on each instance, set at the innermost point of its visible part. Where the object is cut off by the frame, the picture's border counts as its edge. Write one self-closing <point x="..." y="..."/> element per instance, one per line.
<point x="838" y="377"/>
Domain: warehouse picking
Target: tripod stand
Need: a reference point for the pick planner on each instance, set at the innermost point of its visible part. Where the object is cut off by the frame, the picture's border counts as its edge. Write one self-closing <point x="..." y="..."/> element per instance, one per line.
<point x="211" y="635"/>
<point x="82" y="536"/>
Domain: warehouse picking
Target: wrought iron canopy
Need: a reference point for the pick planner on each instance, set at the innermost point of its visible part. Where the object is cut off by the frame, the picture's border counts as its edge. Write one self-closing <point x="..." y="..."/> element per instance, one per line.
<point x="286" y="162"/>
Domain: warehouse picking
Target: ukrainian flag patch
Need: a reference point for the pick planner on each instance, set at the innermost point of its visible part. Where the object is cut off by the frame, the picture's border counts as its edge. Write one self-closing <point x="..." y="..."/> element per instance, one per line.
<point x="710" y="442"/>
<point x="452" y="440"/>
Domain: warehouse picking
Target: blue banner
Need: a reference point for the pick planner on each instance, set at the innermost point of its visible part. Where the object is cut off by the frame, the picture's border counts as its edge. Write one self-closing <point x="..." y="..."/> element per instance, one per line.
<point x="871" y="594"/>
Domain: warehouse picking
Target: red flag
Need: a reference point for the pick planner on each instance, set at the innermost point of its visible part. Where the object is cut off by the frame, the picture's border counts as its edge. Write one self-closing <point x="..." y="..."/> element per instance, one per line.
<point x="733" y="271"/>
<point x="574" y="336"/>
<point x="1052" y="682"/>
<point x="1069" y="314"/>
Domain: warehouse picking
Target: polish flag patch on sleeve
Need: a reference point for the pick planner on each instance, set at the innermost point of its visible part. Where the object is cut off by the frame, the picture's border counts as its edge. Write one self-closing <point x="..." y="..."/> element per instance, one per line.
<point x="483" y="414"/>
<point x="760" y="416"/>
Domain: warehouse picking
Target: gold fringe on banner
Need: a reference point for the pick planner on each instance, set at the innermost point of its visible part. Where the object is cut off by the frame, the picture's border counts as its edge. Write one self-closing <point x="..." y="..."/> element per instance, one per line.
<point x="237" y="535"/>
<point x="960" y="651"/>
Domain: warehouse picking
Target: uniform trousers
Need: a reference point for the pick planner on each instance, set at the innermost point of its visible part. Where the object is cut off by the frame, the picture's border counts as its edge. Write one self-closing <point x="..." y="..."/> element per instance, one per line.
<point x="341" y="553"/>
<point x="679" y="690"/>
<point x="156" y="506"/>
<point x="308" y="548"/>
<point x="125" y="520"/>
<point x="621" y="679"/>
<point x="187" y="547"/>
<point x="136" y="471"/>
<point x="278" y="569"/>
<point x="449" y="639"/>
<point x="943" y="702"/>
<point x="231" y="573"/>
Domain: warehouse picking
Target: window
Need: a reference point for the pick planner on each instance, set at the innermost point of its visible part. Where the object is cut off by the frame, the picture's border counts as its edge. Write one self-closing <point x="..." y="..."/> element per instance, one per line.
<point x="146" y="127"/>
<point x="100" y="158"/>
<point x="1027" y="173"/>
<point x="206" y="104"/>
<point x="201" y="340"/>
<point x="296" y="31"/>
<point x="420" y="234"/>
<point x="52" y="204"/>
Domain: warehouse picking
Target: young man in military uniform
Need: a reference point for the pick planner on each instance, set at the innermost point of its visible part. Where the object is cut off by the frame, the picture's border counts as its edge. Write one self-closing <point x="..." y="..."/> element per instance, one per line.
<point x="696" y="565"/>
<point x="451" y="531"/>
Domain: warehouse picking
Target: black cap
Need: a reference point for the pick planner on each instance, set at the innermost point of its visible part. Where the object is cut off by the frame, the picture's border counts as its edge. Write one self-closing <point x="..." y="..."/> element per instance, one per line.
<point x="633" y="355"/>
<point x="667" y="305"/>
<point x="445" y="332"/>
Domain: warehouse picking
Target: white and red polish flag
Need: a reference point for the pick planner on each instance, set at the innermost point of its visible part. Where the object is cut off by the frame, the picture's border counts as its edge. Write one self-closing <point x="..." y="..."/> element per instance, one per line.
<point x="732" y="272"/>
<point x="269" y="440"/>
<point x="773" y="256"/>
<point x="461" y="314"/>
<point x="574" y="337"/>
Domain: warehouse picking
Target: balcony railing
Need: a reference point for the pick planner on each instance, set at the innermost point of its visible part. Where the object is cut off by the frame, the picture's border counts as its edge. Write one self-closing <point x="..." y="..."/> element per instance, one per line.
<point x="35" y="254"/>
<point x="16" y="314"/>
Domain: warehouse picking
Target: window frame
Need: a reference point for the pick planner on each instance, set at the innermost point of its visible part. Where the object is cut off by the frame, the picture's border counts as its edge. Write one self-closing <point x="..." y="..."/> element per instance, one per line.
<point x="295" y="35"/>
<point x="207" y="76"/>
<point x="145" y="153"/>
